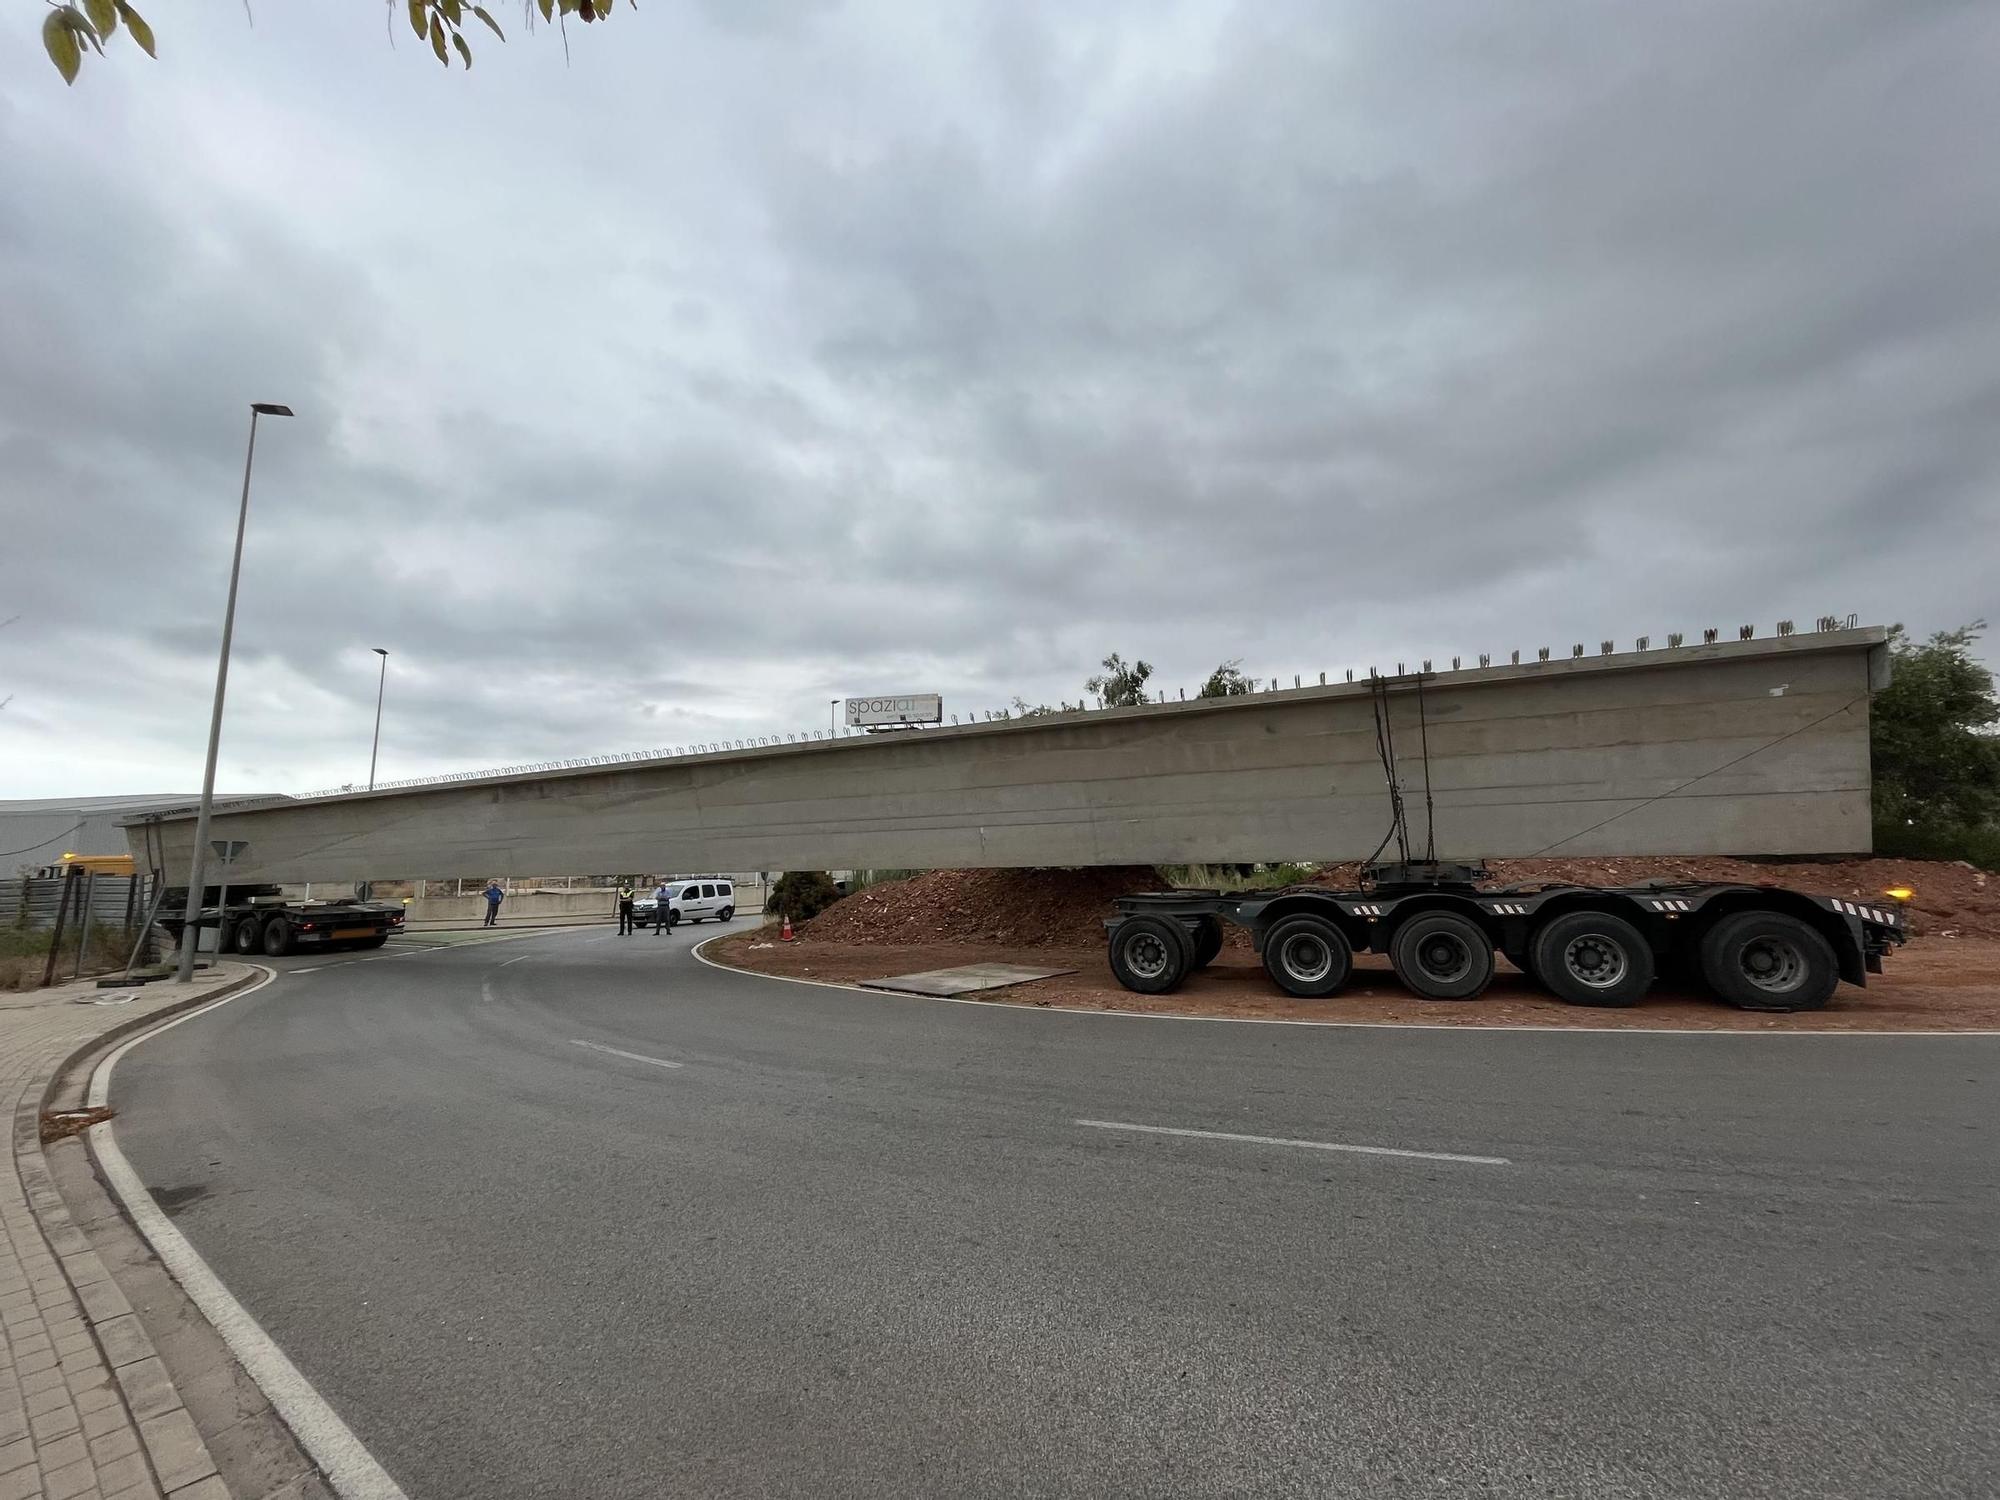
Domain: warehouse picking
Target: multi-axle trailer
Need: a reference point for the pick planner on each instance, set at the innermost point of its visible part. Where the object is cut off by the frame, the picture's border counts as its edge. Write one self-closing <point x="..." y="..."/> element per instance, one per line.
<point x="1759" y="947"/>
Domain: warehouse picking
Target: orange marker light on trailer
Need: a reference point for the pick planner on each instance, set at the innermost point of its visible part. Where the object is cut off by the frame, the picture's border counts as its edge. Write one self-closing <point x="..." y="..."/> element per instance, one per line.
<point x="1899" y="893"/>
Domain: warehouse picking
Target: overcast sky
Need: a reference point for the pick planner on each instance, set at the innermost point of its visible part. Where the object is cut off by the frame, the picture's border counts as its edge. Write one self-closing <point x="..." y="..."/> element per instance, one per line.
<point x="768" y="353"/>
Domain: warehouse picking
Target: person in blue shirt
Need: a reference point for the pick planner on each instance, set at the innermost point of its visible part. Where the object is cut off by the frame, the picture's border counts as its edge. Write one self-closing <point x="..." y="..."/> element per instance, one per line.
<point x="494" y="896"/>
<point x="663" y="912"/>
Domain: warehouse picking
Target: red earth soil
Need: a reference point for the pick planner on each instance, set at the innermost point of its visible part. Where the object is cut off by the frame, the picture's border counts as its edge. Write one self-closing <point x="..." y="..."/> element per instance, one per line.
<point x="1067" y="908"/>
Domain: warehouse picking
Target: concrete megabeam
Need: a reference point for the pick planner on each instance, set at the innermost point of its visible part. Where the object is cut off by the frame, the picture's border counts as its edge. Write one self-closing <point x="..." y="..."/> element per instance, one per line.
<point x="1748" y="747"/>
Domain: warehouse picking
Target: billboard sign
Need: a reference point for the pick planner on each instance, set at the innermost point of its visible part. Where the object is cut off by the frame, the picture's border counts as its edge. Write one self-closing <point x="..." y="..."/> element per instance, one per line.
<point x="909" y="708"/>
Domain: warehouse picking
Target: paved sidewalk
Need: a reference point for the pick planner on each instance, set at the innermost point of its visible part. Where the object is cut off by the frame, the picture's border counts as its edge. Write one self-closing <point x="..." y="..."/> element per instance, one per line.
<point x="86" y="1408"/>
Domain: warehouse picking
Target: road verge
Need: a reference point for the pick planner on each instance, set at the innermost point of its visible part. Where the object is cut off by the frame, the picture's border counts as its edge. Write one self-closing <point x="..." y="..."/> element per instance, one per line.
<point x="1938" y="987"/>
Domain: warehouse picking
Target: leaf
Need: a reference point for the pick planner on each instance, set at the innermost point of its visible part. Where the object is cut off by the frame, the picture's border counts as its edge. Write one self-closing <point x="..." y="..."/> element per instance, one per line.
<point x="76" y="21"/>
<point x="437" y="40"/>
<point x="456" y="10"/>
<point x="481" y="12"/>
<point x="103" y="15"/>
<point x="136" y="25"/>
<point x="61" y="45"/>
<point x="548" y="9"/>
<point x="463" y="50"/>
<point x="419" y="20"/>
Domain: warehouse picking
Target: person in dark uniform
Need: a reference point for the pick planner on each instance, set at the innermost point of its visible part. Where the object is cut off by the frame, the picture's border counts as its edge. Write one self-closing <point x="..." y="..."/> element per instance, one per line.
<point x="624" y="908"/>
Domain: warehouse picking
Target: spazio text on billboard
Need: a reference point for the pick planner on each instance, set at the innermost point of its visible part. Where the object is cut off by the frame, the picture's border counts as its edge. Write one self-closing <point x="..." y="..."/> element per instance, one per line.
<point x="908" y="708"/>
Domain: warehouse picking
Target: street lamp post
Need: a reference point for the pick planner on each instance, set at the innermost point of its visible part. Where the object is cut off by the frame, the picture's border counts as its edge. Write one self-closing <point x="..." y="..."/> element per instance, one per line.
<point x="190" y="932"/>
<point x="380" y="684"/>
<point x="831" y="705"/>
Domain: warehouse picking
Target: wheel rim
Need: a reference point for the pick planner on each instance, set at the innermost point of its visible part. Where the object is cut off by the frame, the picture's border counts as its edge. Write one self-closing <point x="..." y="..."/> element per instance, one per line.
<point x="1306" y="957"/>
<point x="1595" y="960"/>
<point x="1775" y="965"/>
<point x="1444" y="957"/>
<point x="1146" y="955"/>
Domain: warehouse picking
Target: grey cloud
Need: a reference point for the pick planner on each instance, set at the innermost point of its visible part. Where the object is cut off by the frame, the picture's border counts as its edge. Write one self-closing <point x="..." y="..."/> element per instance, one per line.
<point x="863" y="347"/>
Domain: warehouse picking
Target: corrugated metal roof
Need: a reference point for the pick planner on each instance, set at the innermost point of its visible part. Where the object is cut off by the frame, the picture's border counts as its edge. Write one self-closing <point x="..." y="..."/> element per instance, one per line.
<point x="41" y="830"/>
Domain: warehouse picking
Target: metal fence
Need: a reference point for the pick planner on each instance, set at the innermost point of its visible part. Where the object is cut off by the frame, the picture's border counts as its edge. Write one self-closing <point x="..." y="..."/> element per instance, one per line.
<point x="76" y="907"/>
<point x="118" y="900"/>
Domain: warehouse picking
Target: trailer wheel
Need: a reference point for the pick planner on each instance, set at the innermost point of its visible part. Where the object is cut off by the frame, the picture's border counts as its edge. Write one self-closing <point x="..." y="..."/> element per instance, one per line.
<point x="1765" y="960"/>
<point x="246" y="938"/>
<point x="1207" y="941"/>
<point x="278" y="937"/>
<point x="1442" y="956"/>
<point x="1593" y="958"/>
<point x="1308" y="956"/>
<point x="1151" y="955"/>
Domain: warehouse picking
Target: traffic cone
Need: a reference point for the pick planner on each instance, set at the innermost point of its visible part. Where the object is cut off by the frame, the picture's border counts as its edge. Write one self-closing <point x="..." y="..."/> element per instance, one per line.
<point x="785" y="932"/>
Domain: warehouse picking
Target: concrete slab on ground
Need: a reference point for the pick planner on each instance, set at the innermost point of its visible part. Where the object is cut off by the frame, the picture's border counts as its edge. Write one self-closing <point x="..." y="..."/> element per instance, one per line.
<point x="964" y="980"/>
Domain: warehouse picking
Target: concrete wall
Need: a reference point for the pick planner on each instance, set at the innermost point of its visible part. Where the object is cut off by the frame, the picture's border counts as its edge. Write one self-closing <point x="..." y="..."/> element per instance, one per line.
<point x="1743" y="747"/>
<point x="750" y="898"/>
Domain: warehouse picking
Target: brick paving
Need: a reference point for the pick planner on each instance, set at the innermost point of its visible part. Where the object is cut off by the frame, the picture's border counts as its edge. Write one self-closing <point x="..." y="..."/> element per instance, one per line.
<point x="87" y="1411"/>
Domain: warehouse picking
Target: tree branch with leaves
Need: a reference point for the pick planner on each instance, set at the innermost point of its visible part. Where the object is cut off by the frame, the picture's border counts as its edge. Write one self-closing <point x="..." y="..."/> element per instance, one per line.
<point x="72" y="31"/>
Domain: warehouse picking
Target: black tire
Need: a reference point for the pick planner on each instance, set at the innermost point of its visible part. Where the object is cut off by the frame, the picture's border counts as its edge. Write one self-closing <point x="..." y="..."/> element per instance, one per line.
<point x="278" y="938"/>
<point x="1308" y="956"/>
<point x="248" y="936"/>
<point x="1440" y="955"/>
<point x="1765" y="960"/>
<point x="1207" y="940"/>
<point x="725" y="914"/>
<point x="1151" y="955"/>
<point x="1593" y="958"/>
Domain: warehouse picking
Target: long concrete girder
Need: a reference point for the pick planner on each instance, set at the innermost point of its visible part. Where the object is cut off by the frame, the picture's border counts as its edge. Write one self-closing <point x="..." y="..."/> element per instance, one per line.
<point x="1745" y="747"/>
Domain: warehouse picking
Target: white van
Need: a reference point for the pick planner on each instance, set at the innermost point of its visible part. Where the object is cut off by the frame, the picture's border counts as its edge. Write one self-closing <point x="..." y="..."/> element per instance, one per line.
<point x="710" y="896"/>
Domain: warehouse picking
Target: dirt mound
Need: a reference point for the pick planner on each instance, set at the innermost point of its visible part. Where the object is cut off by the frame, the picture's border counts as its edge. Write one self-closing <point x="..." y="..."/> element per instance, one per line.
<point x="1952" y="899"/>
<point x="1067" y="908"/>
<point x="1022" y="908"/>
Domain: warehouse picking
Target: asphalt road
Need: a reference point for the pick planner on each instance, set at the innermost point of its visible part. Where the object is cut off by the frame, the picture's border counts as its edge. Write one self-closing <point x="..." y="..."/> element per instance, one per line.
<point x="860" y="1245"/>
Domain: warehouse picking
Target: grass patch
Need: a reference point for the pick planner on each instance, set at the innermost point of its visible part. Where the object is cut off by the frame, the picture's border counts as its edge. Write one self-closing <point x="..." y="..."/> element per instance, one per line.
<point x="24" y="955"/>
<point x="1228" y="878"/>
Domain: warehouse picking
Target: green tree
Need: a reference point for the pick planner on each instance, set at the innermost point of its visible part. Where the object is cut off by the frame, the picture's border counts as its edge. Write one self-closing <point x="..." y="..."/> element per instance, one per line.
<point x="70" y="31"/>
<point x="802" y="894"/>
<point x="1022" y="709"/>
<point x="1121" y="686"/>
<point x="1936" y="759"/>
<point x="1227" y="681"/>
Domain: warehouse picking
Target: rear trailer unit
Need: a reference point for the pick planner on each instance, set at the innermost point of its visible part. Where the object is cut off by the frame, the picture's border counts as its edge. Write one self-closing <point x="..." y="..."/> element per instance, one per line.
<point x="259" y="920"/>
<point x="1758" y="947"/>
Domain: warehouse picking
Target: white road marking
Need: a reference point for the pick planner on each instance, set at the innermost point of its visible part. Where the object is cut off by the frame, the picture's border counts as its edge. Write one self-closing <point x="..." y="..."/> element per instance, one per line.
<point x="313" y="970"/>
<point x="658" y="1062"/>
<point x="348" y="1466"/>
<point x="521" y="960"/>
<point x="1274" y="1140"/>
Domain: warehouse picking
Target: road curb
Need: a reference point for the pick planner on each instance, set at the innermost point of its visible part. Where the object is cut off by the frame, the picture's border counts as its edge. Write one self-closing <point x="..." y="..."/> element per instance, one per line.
<point x="179" y="1458"/>
<point x="338" y="1456"/>
<point x="1535" y="1027"/>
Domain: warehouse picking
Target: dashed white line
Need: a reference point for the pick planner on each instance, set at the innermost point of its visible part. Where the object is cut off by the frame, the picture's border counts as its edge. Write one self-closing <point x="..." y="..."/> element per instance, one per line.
<point x="1276" y="1140"/>
<point x="658" y="1062"/>
<point x="521" y="960"/>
